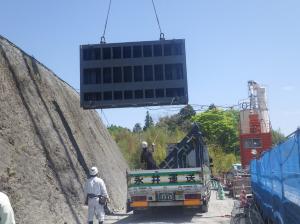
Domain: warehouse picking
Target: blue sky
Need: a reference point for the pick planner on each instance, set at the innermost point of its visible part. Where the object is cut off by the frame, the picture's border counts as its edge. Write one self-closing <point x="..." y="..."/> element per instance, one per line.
<point x="228" y="42"/>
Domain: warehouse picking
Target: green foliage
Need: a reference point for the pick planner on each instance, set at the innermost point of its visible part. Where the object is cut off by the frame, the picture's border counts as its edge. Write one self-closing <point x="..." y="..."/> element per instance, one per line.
<point x="114" y="128"/>
<point x="277" y="137"/>
<point x="186" y="113"/>
<point x="168" y="122"/>
<point x="130" y="142"/>
<point x="219" y="127"/>
<point x="181" y="121"/>
<point x="148" y="121"/>
<point x="137" y="128"/>
<point x="222" y="161"/>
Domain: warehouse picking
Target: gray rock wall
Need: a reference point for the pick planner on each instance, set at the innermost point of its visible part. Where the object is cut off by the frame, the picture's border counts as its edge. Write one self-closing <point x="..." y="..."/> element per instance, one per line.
<point x="47" y="143"/>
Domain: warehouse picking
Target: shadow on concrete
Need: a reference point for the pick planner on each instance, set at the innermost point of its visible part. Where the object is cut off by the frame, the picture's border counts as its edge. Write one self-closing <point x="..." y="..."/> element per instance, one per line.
<point x="80" y="157"/>
<point x="61" y="140"/>
<point x="164" y="215"/>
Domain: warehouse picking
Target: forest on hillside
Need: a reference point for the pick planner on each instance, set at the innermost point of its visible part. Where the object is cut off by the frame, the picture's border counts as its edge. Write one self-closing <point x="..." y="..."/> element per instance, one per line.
<point x="218" y="126"/>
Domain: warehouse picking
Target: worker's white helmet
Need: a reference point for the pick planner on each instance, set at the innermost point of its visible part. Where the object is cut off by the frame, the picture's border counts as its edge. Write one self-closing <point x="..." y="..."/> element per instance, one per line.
<point x="93" y="171"/>
<point x="144" y="144"/>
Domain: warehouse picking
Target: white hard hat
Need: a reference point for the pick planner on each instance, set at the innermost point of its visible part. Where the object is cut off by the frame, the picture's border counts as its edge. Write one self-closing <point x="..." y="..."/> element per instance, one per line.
<point x="93" y="171"/>
<point x="144" y="144"/>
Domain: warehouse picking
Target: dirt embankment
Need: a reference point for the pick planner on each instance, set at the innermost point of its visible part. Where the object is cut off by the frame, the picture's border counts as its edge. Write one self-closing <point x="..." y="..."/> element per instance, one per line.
<point x="47" y="143"/>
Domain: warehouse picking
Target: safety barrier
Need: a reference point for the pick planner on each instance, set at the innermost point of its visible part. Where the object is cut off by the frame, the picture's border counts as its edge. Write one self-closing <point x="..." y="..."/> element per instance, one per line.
<point x="275" y="180"/>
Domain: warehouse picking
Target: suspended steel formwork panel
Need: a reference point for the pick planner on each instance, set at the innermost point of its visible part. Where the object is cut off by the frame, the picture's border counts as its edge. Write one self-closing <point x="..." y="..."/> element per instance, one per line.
<point x="133" y="74"/>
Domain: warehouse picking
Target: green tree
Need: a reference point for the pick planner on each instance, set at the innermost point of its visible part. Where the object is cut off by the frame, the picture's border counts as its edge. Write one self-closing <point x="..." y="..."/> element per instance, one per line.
<point x="168" y="122"/>
<point x="187" y="112"/>
<point x="114" y="128"/>
<point x="137" y="128"/>
<point x="184" y="118"/>
<point x="277" y="137"/>
<point x="219" y="127"/>
<point x="181" y="120"/>
<point x="148" y="121"/>
<point x="212" y="107"/>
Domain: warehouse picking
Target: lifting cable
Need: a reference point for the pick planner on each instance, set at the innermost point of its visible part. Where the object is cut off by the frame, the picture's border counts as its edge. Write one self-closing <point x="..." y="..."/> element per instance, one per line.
<point x="103" y="35"/>
<point x="161" y="35"/>
<point x="107" y="122"/>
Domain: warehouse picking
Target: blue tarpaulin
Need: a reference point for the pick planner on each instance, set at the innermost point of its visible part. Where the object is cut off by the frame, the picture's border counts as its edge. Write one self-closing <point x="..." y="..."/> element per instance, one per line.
<point x="275" y="180"/>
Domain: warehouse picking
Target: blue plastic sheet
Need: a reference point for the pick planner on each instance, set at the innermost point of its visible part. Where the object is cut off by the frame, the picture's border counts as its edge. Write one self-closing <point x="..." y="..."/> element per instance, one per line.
<point x="275" y="179"/>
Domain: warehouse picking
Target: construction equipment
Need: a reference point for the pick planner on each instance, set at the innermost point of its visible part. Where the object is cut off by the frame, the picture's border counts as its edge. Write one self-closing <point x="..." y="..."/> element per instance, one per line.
<point x="133" y="74"/>
<point x="255" y="127"/>
<point x="255" y="138"/>
<point x="182" y="180"/>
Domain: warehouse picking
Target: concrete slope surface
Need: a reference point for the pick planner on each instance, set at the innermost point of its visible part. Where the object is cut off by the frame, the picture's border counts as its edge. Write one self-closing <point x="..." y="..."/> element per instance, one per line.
<point x="47" y="143"/>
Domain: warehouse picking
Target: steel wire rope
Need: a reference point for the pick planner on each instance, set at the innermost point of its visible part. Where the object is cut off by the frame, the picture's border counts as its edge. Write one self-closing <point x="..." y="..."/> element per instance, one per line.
<point x="175" y="108"/>
<point x="197" y="107"/>
<point x="105" y="25"/>
<point x="161" y="35"/>
<point x="107" y="121"/>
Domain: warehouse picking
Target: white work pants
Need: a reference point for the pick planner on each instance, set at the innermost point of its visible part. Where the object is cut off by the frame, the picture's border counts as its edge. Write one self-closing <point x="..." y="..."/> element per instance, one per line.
<point x="95" y="209"/>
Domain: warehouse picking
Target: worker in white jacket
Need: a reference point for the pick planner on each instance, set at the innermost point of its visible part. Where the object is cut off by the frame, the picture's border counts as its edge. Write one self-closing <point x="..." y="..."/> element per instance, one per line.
<point x="96" y="196"/>
<point x="6" y="211"/>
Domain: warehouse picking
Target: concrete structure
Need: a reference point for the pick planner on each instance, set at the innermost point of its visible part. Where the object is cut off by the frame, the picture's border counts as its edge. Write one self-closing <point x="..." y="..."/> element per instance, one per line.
<point x="133" y="74"/>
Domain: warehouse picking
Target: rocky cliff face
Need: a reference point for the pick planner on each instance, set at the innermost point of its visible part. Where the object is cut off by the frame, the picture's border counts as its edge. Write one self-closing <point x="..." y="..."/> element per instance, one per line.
<point x="47" y="143"/>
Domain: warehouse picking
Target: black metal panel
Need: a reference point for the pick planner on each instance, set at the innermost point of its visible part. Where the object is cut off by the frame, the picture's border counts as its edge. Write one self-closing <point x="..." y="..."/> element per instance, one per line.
<point x="192" y="142"/>
<point x="133" y="74"/>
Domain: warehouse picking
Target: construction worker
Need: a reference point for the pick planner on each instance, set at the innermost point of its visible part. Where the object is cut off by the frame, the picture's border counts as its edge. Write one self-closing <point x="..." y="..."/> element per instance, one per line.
<point x="147" y="156"/>
<point x="6" y="211"/>
<point x="96" y="196"/>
